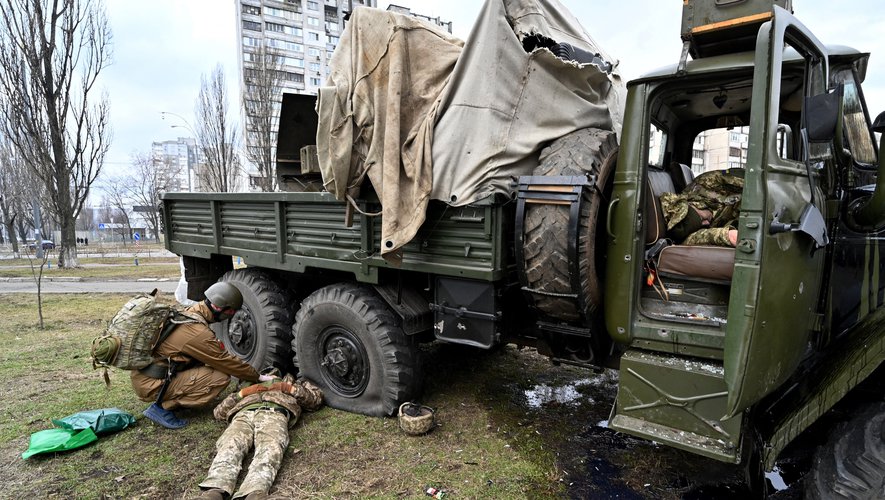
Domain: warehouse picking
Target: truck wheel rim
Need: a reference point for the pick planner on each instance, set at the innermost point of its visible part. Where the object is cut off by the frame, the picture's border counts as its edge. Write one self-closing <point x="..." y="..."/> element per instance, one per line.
<point x="345" y="363"/>
<point x="241" y="332"/>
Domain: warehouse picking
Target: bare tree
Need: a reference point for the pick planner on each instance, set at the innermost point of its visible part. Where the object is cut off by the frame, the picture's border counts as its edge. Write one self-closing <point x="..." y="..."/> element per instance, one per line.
<point x="11" y="191"/>
<point x="116" y="199"/>
<point x="217" y="136"/>
<point x="38" y="264"/>
<point x="261" y="100"/>
<point x="19" y="191"/>
<point x="51" y="53"/>
<point x="151" y="177"/>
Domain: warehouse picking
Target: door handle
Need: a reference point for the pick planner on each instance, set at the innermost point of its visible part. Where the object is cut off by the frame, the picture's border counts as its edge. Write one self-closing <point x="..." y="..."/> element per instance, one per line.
<point x="609" y="216"/>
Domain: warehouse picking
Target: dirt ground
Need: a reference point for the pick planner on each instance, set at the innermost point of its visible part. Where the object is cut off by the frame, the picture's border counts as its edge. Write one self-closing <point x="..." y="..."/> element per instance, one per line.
<point x="569" y="409"/>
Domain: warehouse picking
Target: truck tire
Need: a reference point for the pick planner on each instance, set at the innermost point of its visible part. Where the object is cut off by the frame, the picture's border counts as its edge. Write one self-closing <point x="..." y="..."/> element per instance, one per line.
<point x="586" y="151"/>
<point x="852" y="463"/>
<point x="259" y="333"/>
<point x="349" y="342"/>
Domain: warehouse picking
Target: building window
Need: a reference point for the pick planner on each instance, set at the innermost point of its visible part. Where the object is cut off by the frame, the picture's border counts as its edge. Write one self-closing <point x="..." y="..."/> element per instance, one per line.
<point x="313" y="21"/>
<point x="293" y="61"/>
<point x="331" y="25"/>
<point x="313" y="37"/>
<point x="282" y="28"/>
<point x="315" y="67"/>
<point x="285" y="44"/>
<point x="697" y="154"/>
<point x="251" y="25"/>
<point x="292" y="77"/>
<point x="332" y="39"/>
<point x="249" y="41"/>
<point x="734" y="152"/>
<point x="312" y="5"/>
<point x="315" y="82"/>
<point x="313" y="52"/>
<point x="251" y="9"/>
<point x="285" y="14"/>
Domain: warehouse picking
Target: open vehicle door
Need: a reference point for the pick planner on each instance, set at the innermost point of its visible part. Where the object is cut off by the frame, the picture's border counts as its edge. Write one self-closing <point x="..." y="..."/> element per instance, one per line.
<point x="778" y="263"/>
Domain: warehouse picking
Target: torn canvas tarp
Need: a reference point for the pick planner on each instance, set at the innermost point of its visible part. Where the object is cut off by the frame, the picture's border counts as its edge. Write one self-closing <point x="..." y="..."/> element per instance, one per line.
<point x="376" y="114"/>
<point x="407" y="108"/>
<point x="504" y="103"/>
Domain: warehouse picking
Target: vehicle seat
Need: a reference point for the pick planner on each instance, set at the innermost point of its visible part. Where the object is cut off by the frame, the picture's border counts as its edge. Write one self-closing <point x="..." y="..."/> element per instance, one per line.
<point x="712" y="263"/>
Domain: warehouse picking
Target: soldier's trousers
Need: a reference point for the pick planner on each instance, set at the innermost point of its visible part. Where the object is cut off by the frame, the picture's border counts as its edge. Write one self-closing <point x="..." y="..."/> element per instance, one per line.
<point x="269" y="431"/>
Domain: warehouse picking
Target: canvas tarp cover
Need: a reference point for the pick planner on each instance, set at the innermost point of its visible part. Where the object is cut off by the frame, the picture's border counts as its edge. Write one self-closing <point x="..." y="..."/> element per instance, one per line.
<point x="464" y="123"/>
<point x="376" y="114"/>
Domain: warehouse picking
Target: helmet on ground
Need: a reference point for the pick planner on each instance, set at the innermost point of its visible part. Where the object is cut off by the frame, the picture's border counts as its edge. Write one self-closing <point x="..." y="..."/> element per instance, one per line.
<point x="224" y="295"/>
<point x="415" y="419"/>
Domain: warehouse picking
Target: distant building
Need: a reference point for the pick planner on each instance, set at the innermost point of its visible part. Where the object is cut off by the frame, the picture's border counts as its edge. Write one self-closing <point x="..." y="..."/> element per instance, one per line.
<point x="436" y="21"/>
<point x="720" y="148"/>
<point x="300" y="34"/>
<point x="177" y="164"/>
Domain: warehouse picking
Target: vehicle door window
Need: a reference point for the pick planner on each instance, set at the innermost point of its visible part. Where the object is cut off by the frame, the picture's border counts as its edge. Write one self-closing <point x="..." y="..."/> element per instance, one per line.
<point x="854" y="121"/>
<point x="657" y="146"/>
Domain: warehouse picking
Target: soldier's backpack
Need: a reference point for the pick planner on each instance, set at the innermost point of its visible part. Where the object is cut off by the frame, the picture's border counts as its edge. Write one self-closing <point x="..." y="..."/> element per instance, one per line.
<point x="130" y="338"/>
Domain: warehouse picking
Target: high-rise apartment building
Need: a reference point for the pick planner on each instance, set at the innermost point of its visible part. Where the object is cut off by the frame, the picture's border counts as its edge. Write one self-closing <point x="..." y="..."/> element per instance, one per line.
<point x="177" y="164"/>
<point x="299" y="36"/>
<point x="436" y="21"/>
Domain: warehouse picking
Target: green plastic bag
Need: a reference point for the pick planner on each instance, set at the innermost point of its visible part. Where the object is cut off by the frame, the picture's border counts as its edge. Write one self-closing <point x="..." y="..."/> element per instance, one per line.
<point x="102" y="421"/>
<point x="78" y="430"/>
<point x="52" y="440"/>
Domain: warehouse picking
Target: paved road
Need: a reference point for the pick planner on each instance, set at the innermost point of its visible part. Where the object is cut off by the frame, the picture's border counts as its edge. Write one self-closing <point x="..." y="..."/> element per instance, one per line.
<point x="79" y="285"/>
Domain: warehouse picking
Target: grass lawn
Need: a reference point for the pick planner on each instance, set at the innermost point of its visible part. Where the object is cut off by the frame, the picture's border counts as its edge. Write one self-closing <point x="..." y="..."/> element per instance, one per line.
<point x="112" y="271"/>
<point x="483" y="447"/>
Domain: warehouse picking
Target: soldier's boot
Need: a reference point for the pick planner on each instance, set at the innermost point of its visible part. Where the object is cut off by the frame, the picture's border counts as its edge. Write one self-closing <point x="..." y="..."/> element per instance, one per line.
<point x="164" y="417"/>
<point x="213" y="494"/>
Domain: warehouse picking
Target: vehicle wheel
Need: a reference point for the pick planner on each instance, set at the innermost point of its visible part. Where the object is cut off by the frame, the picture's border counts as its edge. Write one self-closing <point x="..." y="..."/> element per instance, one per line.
<point x="587" y="151"/>
<point x="852" y="463"/>
<point x="347" y="341"/>
<point x="259" y="333"/>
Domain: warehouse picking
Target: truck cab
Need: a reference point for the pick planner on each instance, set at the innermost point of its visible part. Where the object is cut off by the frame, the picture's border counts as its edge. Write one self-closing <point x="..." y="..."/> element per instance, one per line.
<point x="715" y="333"/>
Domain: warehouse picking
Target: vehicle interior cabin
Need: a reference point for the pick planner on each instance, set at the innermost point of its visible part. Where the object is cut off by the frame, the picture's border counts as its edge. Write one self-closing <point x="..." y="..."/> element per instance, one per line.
<point x="696" y="129"/>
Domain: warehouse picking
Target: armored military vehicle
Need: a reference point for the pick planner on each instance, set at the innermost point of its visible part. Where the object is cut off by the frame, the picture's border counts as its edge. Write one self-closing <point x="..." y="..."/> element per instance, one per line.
<point x="729" y="352"/>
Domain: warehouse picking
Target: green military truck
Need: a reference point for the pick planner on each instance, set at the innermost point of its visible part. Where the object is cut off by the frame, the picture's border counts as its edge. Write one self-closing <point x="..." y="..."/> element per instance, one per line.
<point x="726" y="352"/>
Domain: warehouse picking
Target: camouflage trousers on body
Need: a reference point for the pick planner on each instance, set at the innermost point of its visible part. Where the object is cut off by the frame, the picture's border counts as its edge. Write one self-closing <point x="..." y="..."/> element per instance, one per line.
<point x="717" y="236"/>
<point x="270" y="433"/>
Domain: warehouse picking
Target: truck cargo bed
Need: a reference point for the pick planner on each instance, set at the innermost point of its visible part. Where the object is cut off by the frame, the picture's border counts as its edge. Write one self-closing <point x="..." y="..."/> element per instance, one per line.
<point x="299" y="231"/>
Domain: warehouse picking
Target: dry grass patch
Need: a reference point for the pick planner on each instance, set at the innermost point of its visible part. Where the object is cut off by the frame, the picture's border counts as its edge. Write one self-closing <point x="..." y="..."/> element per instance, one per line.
<point x="477" y="451"/>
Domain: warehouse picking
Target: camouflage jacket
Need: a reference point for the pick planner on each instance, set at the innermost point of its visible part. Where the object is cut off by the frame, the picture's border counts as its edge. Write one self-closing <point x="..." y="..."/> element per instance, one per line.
<point x="293" y="396"/>
<point x="717" y="191"/>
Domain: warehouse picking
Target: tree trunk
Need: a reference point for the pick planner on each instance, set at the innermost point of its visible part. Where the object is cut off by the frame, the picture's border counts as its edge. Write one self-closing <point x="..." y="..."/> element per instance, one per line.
<point x="67" y="253"/>
<point x="10" y="230"/>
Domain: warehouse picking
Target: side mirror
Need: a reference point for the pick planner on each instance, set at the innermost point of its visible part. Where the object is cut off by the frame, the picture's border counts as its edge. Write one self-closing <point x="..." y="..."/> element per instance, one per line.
<point x="822" y="114"/>
<point x="879" y="123"/>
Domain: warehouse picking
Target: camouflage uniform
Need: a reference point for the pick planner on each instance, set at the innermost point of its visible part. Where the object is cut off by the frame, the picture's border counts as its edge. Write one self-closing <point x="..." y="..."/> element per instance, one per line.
<point x="263" y="414"/>
<point x="717" y="191"/>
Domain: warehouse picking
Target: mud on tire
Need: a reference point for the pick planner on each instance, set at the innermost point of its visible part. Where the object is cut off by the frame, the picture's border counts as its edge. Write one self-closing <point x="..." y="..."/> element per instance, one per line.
<point x="546" y="262"/>
<point x="259" y="333"/>
<point x="349" y="342"/>
<point x="851" y="464"/>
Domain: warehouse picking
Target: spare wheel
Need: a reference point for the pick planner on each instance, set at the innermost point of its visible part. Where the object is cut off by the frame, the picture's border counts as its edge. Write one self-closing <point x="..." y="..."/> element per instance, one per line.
<point x="591" y="152"/>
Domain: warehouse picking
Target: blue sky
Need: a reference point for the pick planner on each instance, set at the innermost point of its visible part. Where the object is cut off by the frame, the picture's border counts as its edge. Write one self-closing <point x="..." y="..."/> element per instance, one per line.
<point x="162" y="47"/>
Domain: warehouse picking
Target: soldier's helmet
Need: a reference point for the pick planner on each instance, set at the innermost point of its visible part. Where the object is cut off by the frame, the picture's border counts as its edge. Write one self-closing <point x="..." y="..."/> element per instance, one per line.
<point x="415" y="419"/>
<point x="224" y="295"/>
